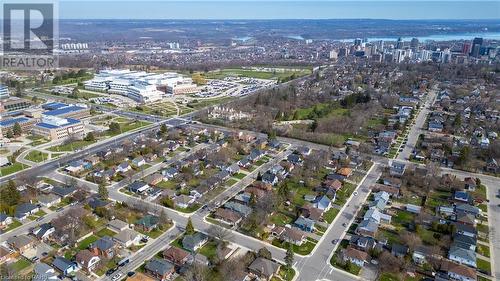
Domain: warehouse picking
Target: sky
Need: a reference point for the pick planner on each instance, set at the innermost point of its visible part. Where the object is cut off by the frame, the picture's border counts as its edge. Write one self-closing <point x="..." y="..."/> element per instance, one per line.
<point x="279" y="9"/>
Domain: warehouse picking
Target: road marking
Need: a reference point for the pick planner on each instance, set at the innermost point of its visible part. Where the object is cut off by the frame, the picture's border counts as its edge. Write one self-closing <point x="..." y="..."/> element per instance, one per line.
<point x="331" y="270"/>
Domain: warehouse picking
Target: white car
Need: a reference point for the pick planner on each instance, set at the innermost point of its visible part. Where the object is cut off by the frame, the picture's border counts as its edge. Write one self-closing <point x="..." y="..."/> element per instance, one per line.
<point x="116" y="276"/>
<point x="355" y="193"/>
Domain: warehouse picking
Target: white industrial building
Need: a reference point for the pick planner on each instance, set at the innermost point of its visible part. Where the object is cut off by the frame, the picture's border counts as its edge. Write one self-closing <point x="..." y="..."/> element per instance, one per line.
<point x="140" y="86"/>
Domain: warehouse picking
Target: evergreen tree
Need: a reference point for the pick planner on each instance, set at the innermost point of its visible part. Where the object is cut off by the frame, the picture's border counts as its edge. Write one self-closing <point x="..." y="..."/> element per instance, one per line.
<point x="103" y="191"/>
<point x="189" y="227"/>
<point x="289" y="257"/>
<point x="17" y="130"/>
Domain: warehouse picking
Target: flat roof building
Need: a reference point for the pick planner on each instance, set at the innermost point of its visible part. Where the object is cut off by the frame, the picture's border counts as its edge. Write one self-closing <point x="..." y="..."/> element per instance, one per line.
<point x="4" y="92"/>
<point x="55" y="128"/>
<point x="70" y="111"/>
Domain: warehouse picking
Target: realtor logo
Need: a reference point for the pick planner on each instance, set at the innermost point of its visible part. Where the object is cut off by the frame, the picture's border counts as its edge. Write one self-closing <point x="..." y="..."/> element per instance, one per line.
<point x="29" y="35"/>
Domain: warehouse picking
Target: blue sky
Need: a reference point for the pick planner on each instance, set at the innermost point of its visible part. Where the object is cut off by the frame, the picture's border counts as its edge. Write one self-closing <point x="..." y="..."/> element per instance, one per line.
<point x="278" y="9"/>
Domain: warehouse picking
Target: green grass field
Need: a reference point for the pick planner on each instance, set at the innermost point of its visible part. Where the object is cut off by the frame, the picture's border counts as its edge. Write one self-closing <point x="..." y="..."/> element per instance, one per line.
<point x="240" y="72"/>
<point x="16" y="167"/>
<point x="37" y="156"/>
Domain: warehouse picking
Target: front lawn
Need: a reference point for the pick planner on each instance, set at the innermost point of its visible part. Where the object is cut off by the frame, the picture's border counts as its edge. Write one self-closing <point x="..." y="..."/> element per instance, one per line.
<point x="105" y="232"/>
<point x="231" y="182"/>
<point x="330" y="215"/>
<point x="209" y="250"/>
<point x="240" y="175"/>
<point x="304" y="249"/>
<point x="483" y="250"/>
<point x="344" y="193"/>
<point x="21" y="264"/>
<point x="37" y="156"/>
<point x="70" y="146"/>
<point x="85" y="243"/>
<point x="484" y="265"/>
<point x="14" y="224"/>
<point x="16" y="167"/>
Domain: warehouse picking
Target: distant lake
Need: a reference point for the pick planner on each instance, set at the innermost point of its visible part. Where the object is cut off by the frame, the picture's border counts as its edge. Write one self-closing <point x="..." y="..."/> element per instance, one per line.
<point x="438" y="37"/>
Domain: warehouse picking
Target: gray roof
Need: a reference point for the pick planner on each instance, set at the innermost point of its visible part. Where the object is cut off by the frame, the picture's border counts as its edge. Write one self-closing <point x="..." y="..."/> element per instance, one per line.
<point x="24" y="208"/>
<point x="239" y="208"/>
<point x="264" y="266"/>
<point x="463" y="253"/>
<point x="159" y="266"/>
<point x="62" y="263"/>
<point x="43" y="272"/>
<point x="103" y="244"/>
<point x="191" y="241"/>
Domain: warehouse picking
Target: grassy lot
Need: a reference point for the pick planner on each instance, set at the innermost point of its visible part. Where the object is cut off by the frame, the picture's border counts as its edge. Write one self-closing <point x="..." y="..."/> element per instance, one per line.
<point x="330" y="215"/>
<point x="281" y="219"/>
<point x="303" y="249"/>
<point x="230" y="182"/>
<point x="427" y="236"/>
<point x="70" y="146"/>
<point x="483" y="228"/>
<point x="105" y="232"/>
<point x="177" y="242"/>
<point x="85" y="243"/>
<point x="21" y="264"/>
<point x="167" y="185"/>
<point x="388" y="277"/>
<point x="285" y="274"/>
<point x="484" y="265"/>
<point x="16" y="167"/>
<point x="481" y="278"/>
<point x="437" y="198"/>
<point x="483" y="250"/>
<point x="402" y="219"/>
<point x="255" y="73"/>
<point x="13" y="225"/>
<point x="240" y="175"/>
<point x="209" y="250"/>
<point x="37" y="140"/>
<point x="344" y="193"/>
<point x="483" y="207"/>
<point x="37" y="156"/>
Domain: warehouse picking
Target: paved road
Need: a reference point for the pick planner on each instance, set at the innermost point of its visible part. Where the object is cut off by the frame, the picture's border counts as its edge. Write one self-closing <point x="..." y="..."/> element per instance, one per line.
<point x="418" y="127"/>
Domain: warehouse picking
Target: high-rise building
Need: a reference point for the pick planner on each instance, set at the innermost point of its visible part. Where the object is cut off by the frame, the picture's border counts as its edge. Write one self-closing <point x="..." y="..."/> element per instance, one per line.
<point x="333" y="55"/>
<point x="476" y="47"/>
<point x="400" y="43"/>
<point x="343" y="52"/>
<point x="466" y="48"/>
<point x="357" y="42"/>
<point x="414" y="43"/>
<point x="4" y="92"/>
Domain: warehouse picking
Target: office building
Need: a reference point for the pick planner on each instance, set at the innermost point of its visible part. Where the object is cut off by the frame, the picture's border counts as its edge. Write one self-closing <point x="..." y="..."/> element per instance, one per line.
<point x="25" y="123"/>
<point x="69" y="111"/>
<point x="4" y="92"/>
<point x="56" y="128"/>
<point x="14" y="103"/>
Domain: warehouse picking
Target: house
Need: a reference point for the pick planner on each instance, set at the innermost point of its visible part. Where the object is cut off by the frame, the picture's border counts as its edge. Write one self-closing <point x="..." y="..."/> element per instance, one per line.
<point x="413" y="208"/>
<point x="195" y="241"/>
<point x="334" y="185"/>
<point x="339" y="156"/>
<point x="465" y="229"/>
<point x="148" y="223"/>
<point x="464" y="241"/>
<point x="278" y="170"/>
<point x="492" y="165"/>
<point x="255" y="155"/>
<point x="290" y="235"/>
<point x="74" y="167"/>
<point x="304" y="150"/>
<point x="96" y="202"/>
<point x="160" y="269"/>
<point x="458" y="272"/>
<point x="470" y="184"/>
<point x="21" y="243"/>
<point x="104" y="247"/>
<point x="399" y="250"/>
<point x="275" y="144"/>
<point x="465" y="218"/>
<point x="323" y="203"/>
<point x="243" y="197"/>
<point x="269" y="178"/>
<point x="346" y="172"/>
<point x="154" y="179"/>
<point x="6" y="254"/>
<point x="239" y="208"/>
<point x="138" y="187"/>
<point x="362" y="243"/>
<point x="91" y="160"/>
<point x="25" y="210"/>
<point x="49" y="200"/>
<point x="312" y="213"/>
<point x="87" y="260"/>
<point x="127" y="237"/>
<point x="462" y="196"/>
<point x="263" y="268"/>
<point x="233" y="169"/>
<point x="117" y="225"/>
<point x="468" y="209"/>
<point x="244" y="162"/>
<point x="294" y="159"/>
<point x="397" y="169"/>
<point x="420" y="254"/>
<point x="228" y="216"/>
<point x="177" y="256"/>
<point x="170" y="173"/>
<point x="123" y="167"/>
<point x="462" y="256"/>
<point x="355" y="256"/>
<point x="367" y="228"/>
<point x="5" y="219"/>
<point x="375" y="215"/>
<point x="183" y="201"/>
<point x="138" y="161"/>
<point x="150" y="157"/>
<point x="445" y="210"/>
<point x="304" y="224"/>
<point x="44" y="231"/>
<point x="63" y="192"/>
<point x="65" y="266"/>
<point x="44" y="272"/>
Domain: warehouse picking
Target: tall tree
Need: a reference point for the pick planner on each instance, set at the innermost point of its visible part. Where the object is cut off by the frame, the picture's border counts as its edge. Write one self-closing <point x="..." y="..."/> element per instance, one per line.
<point x="289" y="257"/>
<point x="189" y="227"/>
<point x="17" y="130"/>
<point x="103" y="191"/>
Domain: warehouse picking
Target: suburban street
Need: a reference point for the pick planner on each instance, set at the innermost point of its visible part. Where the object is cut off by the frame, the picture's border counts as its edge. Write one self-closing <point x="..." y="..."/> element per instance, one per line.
<point x="418" y="127"/>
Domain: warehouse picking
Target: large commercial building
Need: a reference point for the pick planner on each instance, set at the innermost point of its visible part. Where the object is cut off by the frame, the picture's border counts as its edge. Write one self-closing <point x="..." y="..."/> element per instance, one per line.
<point x="140" y="86"/>
<point x="55" y="128"/>
<point x="4" y="92"/>
<point x="14" y="103"/>
<point x="25" y="123"/>
<point x="67" y="111"/>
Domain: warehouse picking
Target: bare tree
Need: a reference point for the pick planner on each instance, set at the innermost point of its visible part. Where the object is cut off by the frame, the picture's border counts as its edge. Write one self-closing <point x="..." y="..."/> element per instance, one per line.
<point x="220" y="233"/>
